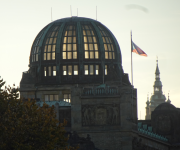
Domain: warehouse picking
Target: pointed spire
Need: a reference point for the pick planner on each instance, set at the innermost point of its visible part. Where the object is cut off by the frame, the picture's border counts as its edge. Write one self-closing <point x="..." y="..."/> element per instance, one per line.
<point x="157" y="72"/>
<point x="168" y="101"/>
<point x="147" y="99"/>
<point x="151" y="97"/>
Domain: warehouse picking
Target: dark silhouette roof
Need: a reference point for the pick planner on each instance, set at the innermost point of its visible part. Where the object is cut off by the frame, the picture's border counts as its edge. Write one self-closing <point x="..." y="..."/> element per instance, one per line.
<point x="165" y="106"/>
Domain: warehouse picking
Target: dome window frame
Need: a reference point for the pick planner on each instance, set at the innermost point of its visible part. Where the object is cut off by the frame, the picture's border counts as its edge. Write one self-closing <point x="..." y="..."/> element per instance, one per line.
<point x="49" y="71"/>
<point x="49" y="49"/>
<point x="70" y="70"/>
<point x="35" y="47"/>
<point x="91" y="69"/>
<point x="90" y="41"/>
<point x="69" y="43"/>
<point x="109" y="51"/>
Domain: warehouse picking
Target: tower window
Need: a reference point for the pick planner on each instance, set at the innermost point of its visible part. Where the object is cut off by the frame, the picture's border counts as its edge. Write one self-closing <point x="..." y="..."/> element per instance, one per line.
<point x="86" y="70"/>
<point x="90" y="43"/>
<point x="69" y="43"/>
<point x="108" y="45"/>
<point x="51" y="97"/>
<point x="156" y="89"/>
<point x="35" y="53"/>
<point x="70" y="70"/>
<point x="64" y="70"/>
<point x="54" y="70"/>
<point x="49" y="71"/>
<point x="35" y="48"/>
<point x="75" y="69"/>
<point x="45" y="71"/>
<point x="105" y="70"/>
<point x="67" y="98"/>
<point x="91" y="69"/>
<point x="97" y="69"/>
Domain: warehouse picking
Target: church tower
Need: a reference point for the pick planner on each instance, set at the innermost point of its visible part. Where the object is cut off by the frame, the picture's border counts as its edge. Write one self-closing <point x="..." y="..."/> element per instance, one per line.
<point x="157" y="97"/>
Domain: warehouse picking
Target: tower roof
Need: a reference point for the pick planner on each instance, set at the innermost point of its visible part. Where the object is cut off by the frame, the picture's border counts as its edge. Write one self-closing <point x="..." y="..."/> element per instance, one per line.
<point x="157" y="68"/>
<point x="165" y="106"/>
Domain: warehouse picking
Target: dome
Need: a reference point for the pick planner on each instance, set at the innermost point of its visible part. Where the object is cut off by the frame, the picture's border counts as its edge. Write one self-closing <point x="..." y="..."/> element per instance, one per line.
<point x="75" y="50"/>
<point x="165" y="106"/>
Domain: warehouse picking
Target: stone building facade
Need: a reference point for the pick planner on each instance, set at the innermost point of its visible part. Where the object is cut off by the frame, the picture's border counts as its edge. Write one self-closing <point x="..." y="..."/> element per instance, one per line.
<point x="75" y="65"/>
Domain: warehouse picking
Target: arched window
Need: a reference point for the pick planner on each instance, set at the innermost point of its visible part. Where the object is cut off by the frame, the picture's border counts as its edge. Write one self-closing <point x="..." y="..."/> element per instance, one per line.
<point x="50" y="45"/>
<point x="156" y="89"/>
<point x="69" y="43"/>
<point x="90" y="43"/>
<point x="108" y="45"/>
<point x="157" y="76"/>
<point x="35" y="54"/>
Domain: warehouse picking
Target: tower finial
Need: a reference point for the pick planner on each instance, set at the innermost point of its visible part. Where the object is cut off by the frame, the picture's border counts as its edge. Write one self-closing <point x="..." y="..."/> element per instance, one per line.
<point x="169" y="101"/>
<point x="157" y="60"/>
<point x="147" y="102"/>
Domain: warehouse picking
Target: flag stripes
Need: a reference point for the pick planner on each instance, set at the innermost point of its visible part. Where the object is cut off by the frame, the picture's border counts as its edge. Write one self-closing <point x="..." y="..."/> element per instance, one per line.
<point x="137" y="50"/>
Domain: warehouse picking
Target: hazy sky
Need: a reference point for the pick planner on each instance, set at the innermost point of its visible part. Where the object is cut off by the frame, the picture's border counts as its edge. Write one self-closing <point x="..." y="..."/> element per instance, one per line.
<point x="155" y="26"/>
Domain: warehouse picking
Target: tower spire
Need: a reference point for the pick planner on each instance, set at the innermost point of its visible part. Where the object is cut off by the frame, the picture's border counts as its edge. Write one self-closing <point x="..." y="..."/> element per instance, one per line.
<point x="147" y="99"/>
<point x="168" y="100"/>
<point x="157" y="59"/>
<point x="157" y="97"/>
<point x="157" y="72"/>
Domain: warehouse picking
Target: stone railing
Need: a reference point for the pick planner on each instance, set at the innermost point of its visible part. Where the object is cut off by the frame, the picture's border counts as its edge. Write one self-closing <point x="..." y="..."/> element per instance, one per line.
<point x="143" y="129"/>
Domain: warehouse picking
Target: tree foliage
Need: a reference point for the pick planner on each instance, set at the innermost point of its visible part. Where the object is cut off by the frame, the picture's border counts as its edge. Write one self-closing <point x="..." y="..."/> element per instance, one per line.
<point x="25" y="126"/>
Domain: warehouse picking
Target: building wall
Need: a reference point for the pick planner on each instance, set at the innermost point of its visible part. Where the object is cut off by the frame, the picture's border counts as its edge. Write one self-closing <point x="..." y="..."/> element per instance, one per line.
<point x="108" y="118"/>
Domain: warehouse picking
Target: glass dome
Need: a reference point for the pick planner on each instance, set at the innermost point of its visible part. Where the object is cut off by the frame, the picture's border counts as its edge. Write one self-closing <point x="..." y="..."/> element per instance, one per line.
<point x="75" y="50"/>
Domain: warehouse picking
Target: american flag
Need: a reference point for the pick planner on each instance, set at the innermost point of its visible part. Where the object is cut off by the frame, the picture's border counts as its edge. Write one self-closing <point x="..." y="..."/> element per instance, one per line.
<point x="137" y="50"/>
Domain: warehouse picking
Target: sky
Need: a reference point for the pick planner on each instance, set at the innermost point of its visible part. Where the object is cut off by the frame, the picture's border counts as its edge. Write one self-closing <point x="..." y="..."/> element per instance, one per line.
<point x="155" y="29"/>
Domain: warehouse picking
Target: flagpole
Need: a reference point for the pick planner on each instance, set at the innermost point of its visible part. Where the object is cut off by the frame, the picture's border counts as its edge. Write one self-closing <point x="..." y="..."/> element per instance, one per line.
<point x="132" y="80"/>
<point x="131" y="62"/>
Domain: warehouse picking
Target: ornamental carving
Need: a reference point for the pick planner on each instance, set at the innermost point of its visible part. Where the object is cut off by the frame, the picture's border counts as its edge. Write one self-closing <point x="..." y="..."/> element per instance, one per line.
<point x="93" y="115"/>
